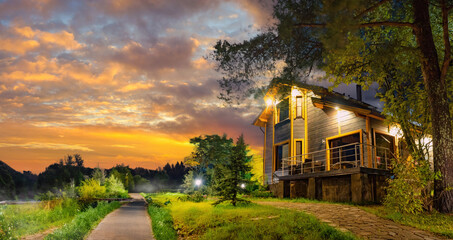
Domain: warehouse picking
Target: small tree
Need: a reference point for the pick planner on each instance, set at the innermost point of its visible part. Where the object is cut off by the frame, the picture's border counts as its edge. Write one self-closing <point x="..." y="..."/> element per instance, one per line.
<point x="232" y="174"/>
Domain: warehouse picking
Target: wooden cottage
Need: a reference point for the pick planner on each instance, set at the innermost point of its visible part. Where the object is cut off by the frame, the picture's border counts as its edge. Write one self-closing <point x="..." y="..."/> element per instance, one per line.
<point x="324" y="145"/>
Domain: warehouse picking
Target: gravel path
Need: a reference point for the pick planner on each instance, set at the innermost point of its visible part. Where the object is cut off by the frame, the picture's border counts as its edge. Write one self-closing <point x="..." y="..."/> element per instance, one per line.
<point x="363" y="224"/>
<point x="130" y="221"/>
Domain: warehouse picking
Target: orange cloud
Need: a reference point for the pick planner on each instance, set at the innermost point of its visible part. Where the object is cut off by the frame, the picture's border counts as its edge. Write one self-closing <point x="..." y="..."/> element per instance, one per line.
<point x="26" y="76"/>
<point x="18" y="46"/>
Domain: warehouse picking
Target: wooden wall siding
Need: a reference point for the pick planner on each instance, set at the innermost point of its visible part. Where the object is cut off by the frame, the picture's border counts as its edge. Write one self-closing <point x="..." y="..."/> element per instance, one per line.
<point x="282" y="131"/>
<point x="268" y="146"/>
<point x="299" y="128"/>
<point x="323" y="123"/>
<point x="379" y="125"/>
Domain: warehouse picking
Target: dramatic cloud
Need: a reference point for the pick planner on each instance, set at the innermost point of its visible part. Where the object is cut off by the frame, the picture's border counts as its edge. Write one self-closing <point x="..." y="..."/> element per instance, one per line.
<point x="117" y="81"/>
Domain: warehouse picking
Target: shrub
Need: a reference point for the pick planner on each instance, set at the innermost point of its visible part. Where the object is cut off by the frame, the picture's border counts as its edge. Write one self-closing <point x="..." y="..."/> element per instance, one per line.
<point x="409" y="191"/>
<point x="261" y="194"/>
<point x="114" y="188"/>
<point x="91" y="189"/>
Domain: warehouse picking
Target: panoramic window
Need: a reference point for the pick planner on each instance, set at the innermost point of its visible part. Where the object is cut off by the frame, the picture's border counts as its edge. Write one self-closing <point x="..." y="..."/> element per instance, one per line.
<point x="342" y="153"/>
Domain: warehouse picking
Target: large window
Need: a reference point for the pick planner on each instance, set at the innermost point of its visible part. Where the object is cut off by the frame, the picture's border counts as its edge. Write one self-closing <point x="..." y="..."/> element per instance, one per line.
<point x="344" y="152"/>
<point x="281" y="153"/>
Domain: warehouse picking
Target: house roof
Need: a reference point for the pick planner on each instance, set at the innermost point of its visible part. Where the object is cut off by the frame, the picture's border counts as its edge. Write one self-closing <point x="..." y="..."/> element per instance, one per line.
<point x="326" y="99"/>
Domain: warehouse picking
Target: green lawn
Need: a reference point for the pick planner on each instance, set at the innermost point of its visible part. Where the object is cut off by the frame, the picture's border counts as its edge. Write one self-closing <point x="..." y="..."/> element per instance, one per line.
<point x="21" y="220"/>
<point x="204" y="221"/>
<point x="433" y="222"/>
<point x="17" y="221"/>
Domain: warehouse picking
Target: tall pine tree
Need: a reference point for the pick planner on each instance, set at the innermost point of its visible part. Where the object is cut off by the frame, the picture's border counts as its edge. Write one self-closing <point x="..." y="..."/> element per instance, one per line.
<point x="233" y="174"/>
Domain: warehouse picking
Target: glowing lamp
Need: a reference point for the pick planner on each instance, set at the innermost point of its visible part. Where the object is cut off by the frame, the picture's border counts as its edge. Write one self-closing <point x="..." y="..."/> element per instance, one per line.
<point x="243" y="185"/>
<point x="198" y="182"/>
<point x="269" y="102"/>
<point x="337" y="108"/>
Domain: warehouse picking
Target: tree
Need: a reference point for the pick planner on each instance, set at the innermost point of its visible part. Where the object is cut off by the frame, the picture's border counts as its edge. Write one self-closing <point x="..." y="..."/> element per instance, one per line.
<point x="359" y="41"/>
<point x="209" y="151"/>
<point x="233" y="173"/>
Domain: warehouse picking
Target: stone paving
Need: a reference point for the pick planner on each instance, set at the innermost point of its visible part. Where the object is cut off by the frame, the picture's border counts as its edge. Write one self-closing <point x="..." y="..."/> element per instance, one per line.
<point x="361" y="223"/>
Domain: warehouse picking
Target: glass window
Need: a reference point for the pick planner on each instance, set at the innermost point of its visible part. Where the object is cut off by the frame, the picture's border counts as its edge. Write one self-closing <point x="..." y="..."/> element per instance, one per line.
<point x="283" y="110"/>
<point x="299" y="106"/>
<point x="281" y="154"/>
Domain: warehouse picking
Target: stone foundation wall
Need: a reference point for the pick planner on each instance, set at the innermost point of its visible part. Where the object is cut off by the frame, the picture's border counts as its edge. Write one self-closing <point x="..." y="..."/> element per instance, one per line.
<point x="357" y="187"/>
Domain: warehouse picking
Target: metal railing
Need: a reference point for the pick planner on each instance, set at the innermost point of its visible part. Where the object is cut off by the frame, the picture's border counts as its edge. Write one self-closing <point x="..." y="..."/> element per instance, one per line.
<point x="347" y="156"/>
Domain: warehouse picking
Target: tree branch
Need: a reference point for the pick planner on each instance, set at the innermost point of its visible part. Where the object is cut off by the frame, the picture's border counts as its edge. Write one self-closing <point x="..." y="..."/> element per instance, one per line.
<point x="386" y="23"/>
<point x="370" y="9"/>
<point x="360" y="25"/>
<point x="446" y="38"/>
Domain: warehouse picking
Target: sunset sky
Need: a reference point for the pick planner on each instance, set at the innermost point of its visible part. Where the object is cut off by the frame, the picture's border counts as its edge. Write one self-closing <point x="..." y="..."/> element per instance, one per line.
<point x="118" y="81"/>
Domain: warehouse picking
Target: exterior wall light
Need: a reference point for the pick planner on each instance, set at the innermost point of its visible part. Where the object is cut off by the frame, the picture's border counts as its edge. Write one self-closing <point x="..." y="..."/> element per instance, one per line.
<point x="269" y="102"/>
<point x="198" y="182"/>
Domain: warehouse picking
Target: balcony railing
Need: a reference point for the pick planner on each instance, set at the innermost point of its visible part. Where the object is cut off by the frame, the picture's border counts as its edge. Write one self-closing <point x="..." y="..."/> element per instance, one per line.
<point x="342" y="157"/>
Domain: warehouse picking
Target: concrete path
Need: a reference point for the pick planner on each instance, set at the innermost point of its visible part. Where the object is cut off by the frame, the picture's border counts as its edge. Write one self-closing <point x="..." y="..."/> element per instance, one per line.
<point x="130" y="221"/>
<point x="363" y="224"/>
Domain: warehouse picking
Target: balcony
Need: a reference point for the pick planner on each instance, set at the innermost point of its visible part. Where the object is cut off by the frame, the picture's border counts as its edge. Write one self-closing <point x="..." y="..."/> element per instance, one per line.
<point x="342" y="159"/>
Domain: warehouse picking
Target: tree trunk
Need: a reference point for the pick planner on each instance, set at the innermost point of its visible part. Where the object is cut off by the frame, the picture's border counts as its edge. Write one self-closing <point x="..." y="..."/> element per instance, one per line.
<point x="440" y="111"/>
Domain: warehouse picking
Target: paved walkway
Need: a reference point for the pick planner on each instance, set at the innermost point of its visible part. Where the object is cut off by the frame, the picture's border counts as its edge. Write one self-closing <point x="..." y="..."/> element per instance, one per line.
<point x="130" y="221"/>
<point x="361" y="223"/>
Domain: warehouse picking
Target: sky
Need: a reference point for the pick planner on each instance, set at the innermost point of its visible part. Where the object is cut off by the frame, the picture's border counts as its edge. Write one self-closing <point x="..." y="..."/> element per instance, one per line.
<point x="118" y="81"/>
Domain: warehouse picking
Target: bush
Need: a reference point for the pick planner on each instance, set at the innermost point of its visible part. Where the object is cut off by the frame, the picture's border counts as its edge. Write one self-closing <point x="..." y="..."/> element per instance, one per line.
<point x="261" y="194"/>
<point x="409" y="190"/>
<point x="114" y="188"/>
<point x="91" y="189"/>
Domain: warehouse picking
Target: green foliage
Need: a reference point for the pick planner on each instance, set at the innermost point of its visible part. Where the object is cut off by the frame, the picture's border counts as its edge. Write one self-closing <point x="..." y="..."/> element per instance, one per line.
<point x="84" y="222"/>
<point x="91" y="189"/>
<point x="161" y="218"/>
<point x="410" y="191"/>
<point x="69" y="169"/>
<point x="21" y="220"/>
<point x="209" y="152"/>
<point x="99" y="175"/>
<point x="257" y="169"/>
<point x="114" y="188"/>
<point x="194" y="197"/>
<point x="203" y="221"/>
<point x="124" y="174"/>
<point x="261" y="194"/>
<point x="232" y="173"/>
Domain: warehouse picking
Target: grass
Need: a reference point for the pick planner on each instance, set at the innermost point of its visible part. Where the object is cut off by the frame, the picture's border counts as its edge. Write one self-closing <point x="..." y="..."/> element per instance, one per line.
<point x="162" y="221"/>
<point x="251" y="221"/>
<point x="84" y="222"/>
<point x="434" y="222"/>
<point x="22" y="220"/>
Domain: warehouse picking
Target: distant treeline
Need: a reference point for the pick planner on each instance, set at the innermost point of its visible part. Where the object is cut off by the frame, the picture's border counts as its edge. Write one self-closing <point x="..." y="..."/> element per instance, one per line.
<point x="71" y="170"/>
